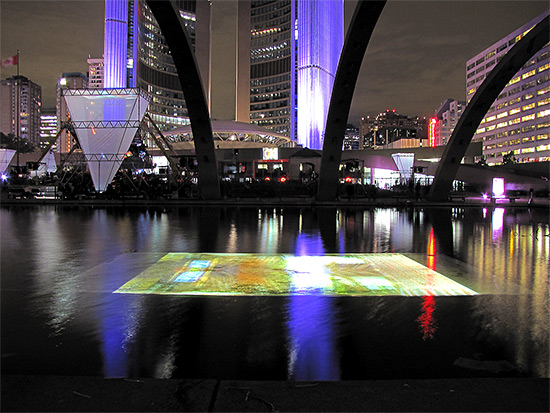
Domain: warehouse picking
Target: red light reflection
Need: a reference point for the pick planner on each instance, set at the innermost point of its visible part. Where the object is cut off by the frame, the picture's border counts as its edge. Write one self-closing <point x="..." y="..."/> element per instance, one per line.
<point x="426" y="319"/>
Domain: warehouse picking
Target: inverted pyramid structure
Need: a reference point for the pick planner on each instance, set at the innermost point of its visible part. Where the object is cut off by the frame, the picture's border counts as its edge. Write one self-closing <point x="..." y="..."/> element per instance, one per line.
<point x="404" y="163"/>
<point x="6" y="155"/>
<point x="106" y="121"/>
<point x="48" y="164"/>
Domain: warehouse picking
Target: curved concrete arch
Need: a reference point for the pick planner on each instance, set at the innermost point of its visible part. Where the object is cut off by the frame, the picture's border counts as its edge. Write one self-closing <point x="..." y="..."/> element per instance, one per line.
<point x="178" y="42"/>
<point x="480" y="104"/>
<point x="357" y="39"/>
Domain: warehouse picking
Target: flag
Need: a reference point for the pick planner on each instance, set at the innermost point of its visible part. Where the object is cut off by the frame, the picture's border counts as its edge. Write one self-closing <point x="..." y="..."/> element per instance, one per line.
<point x="10" y="61"/>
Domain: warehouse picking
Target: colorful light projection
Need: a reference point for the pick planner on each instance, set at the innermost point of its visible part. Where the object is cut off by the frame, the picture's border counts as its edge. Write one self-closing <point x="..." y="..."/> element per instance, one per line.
<point x="256" y="274"/>
<point x="115" y="43"/>
<point x="320" y="40"/>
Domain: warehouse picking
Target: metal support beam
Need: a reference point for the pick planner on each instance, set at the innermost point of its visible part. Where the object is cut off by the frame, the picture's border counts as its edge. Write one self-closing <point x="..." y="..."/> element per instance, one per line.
<point x="482" y="100"/>
<point x="357" y="39"/>
<point x="166" y="148"/>
<point x="175" y="34"/>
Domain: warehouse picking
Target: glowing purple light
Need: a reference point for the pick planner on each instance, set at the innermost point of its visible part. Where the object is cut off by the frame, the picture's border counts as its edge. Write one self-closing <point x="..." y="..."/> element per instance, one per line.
<point x="320" y="39"/>
<point x="115" y="45"/>
<point x="498" y="187"/>
<point x="4" y="177"/>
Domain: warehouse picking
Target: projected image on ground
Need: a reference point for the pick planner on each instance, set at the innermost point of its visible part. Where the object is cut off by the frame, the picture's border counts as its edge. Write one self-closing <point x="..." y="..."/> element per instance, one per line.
<point x="254" y="274"/>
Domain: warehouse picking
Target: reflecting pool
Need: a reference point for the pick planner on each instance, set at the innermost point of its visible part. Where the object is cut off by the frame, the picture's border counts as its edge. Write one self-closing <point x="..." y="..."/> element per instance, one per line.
<point x="275" y="293"/>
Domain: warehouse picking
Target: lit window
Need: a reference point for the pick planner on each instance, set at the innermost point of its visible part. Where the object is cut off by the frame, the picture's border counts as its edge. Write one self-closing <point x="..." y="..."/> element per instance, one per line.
<point x="528" y="74"/>
<point x="528" y="117"/>
<point x="543" y="102"/>
<point x="542" y="137"/>
<point x="502" y="115"/>
<point x="490" y="118"/>
<point x="480" y="130"/>
<point x="543" y="114"/>
<point x="528" y="150"/>
<point x="541" y="148"/>
<point x="527" y="107"/>
<point x="472" y="90"/>
<point x="490" y="128"/>
<point x="514" y="121"/>
<point x="544" y="67"/>
<point x="514" y="80"/>
<point x="502" y="124"/>
<point x="514" y="111"/>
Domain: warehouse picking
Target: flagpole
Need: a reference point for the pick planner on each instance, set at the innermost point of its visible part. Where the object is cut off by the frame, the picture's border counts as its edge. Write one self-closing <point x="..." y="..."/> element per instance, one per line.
<point x="18" y="83"/>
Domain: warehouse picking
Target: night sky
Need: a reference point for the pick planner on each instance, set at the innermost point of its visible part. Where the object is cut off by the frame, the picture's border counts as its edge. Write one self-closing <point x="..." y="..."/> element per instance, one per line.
<point x="415" y="60"/>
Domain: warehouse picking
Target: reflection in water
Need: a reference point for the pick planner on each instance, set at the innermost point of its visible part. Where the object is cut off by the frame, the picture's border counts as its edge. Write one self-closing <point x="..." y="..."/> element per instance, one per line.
<point x="58" y="291"/>
<point x="426" y="319"/>
<point x="312" y="352"/>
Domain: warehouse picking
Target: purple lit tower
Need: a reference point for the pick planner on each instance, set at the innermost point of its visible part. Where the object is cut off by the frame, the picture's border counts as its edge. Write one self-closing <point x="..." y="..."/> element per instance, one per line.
<point x="116" y="43"/>
<point x="320" y="39"/>
<point x="294" y="51"/>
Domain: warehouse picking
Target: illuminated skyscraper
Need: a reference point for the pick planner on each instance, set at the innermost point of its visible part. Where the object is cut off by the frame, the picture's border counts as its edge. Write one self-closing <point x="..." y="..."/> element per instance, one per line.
<point x="20" y="93"/>
<point x="294" y="52"/>
<point x="136" y="55"/>
<point x="518" y="122"/>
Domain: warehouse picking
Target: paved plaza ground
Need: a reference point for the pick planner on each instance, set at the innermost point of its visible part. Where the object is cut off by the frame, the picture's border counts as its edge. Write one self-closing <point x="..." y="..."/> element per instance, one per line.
<point x="90" y="394"/>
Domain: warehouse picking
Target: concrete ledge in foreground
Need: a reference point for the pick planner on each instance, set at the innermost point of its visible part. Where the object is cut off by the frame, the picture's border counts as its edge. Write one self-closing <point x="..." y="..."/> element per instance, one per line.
<point x="87" y="394"/>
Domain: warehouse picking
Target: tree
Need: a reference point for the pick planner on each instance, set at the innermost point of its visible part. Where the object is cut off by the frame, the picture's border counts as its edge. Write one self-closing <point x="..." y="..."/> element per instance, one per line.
<point x="509" y="158"/>
<point x="9" y="141"/>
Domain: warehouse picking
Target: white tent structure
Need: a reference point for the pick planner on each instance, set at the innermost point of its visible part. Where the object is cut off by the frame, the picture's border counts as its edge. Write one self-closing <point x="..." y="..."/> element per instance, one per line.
<point x="106" y="121"/>
<point x="6" y="155"/>
<point x="48" y="164"/>
<point x="404" y="163"/>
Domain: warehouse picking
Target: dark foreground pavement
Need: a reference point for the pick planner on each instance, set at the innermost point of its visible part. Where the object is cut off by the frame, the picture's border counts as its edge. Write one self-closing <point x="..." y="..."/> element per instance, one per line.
<point x="84" y="394"/>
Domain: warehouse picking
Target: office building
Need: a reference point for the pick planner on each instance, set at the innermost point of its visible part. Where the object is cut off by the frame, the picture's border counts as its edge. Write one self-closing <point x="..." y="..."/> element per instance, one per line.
<point x="71" y="80"/>
<point x="96" y="73"/>
<point x="294" y="51"/>
<point x="518" y="123"/>
<point x="21" y="101"/>
<point x="136" y="55"/>
<point x="389" y="126"/>
<point x="352" y="139"/>
<point x="48" y="127"/>
<point x="443" y="123"/>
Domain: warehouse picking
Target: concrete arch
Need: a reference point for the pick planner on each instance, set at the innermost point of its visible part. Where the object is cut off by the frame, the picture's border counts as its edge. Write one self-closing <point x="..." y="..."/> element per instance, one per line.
<point x="480" y="104"/>
<point x="357" y="39"/>
<point x="178" y="42"/>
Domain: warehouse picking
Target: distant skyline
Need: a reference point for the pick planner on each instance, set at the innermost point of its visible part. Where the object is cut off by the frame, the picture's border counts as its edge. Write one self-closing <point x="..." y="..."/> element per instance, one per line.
<point x="415" y="60"/>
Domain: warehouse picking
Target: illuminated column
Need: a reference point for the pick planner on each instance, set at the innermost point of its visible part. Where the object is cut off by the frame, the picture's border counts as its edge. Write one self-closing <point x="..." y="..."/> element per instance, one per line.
<point x="320" y="40"/>
<point x="116" y="40"/>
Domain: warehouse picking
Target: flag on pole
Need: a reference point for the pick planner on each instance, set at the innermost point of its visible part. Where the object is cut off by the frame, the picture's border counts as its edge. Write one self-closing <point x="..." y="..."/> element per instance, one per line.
<point x="10" y="61"/>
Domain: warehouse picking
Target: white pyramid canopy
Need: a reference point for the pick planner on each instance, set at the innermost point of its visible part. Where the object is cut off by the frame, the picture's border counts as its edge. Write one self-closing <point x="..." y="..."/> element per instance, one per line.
<point x="105" y="121"/>
<point x="404" y="162"/>
<point x="48" y="164"/>
<point x="6" y="155"/>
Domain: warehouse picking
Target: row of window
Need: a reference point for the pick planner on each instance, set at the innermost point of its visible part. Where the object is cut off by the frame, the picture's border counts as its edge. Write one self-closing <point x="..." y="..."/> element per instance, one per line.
<point x="270" y="114"/>
<point x="270" y="97"/>
<point x="498" y="49"/>
<point x="257" y="84"/>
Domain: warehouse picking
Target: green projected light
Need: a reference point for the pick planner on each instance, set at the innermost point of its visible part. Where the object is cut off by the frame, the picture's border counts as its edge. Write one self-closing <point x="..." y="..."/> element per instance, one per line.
<point x="254" y="274"/>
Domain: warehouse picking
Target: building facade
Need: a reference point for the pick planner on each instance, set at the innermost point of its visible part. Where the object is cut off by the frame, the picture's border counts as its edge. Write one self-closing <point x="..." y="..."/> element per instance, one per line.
<point x="21" y="102"/>
<point x="48" y="127"/>
<point x="294" y="51"/>
<point x="136" y="55"/>
<point x="389" y="127"/>
<point x="96" y="73"/>
<point x="442" y="125"/>
<point x="517" y="125"/>
<point x="71" y="80"/>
